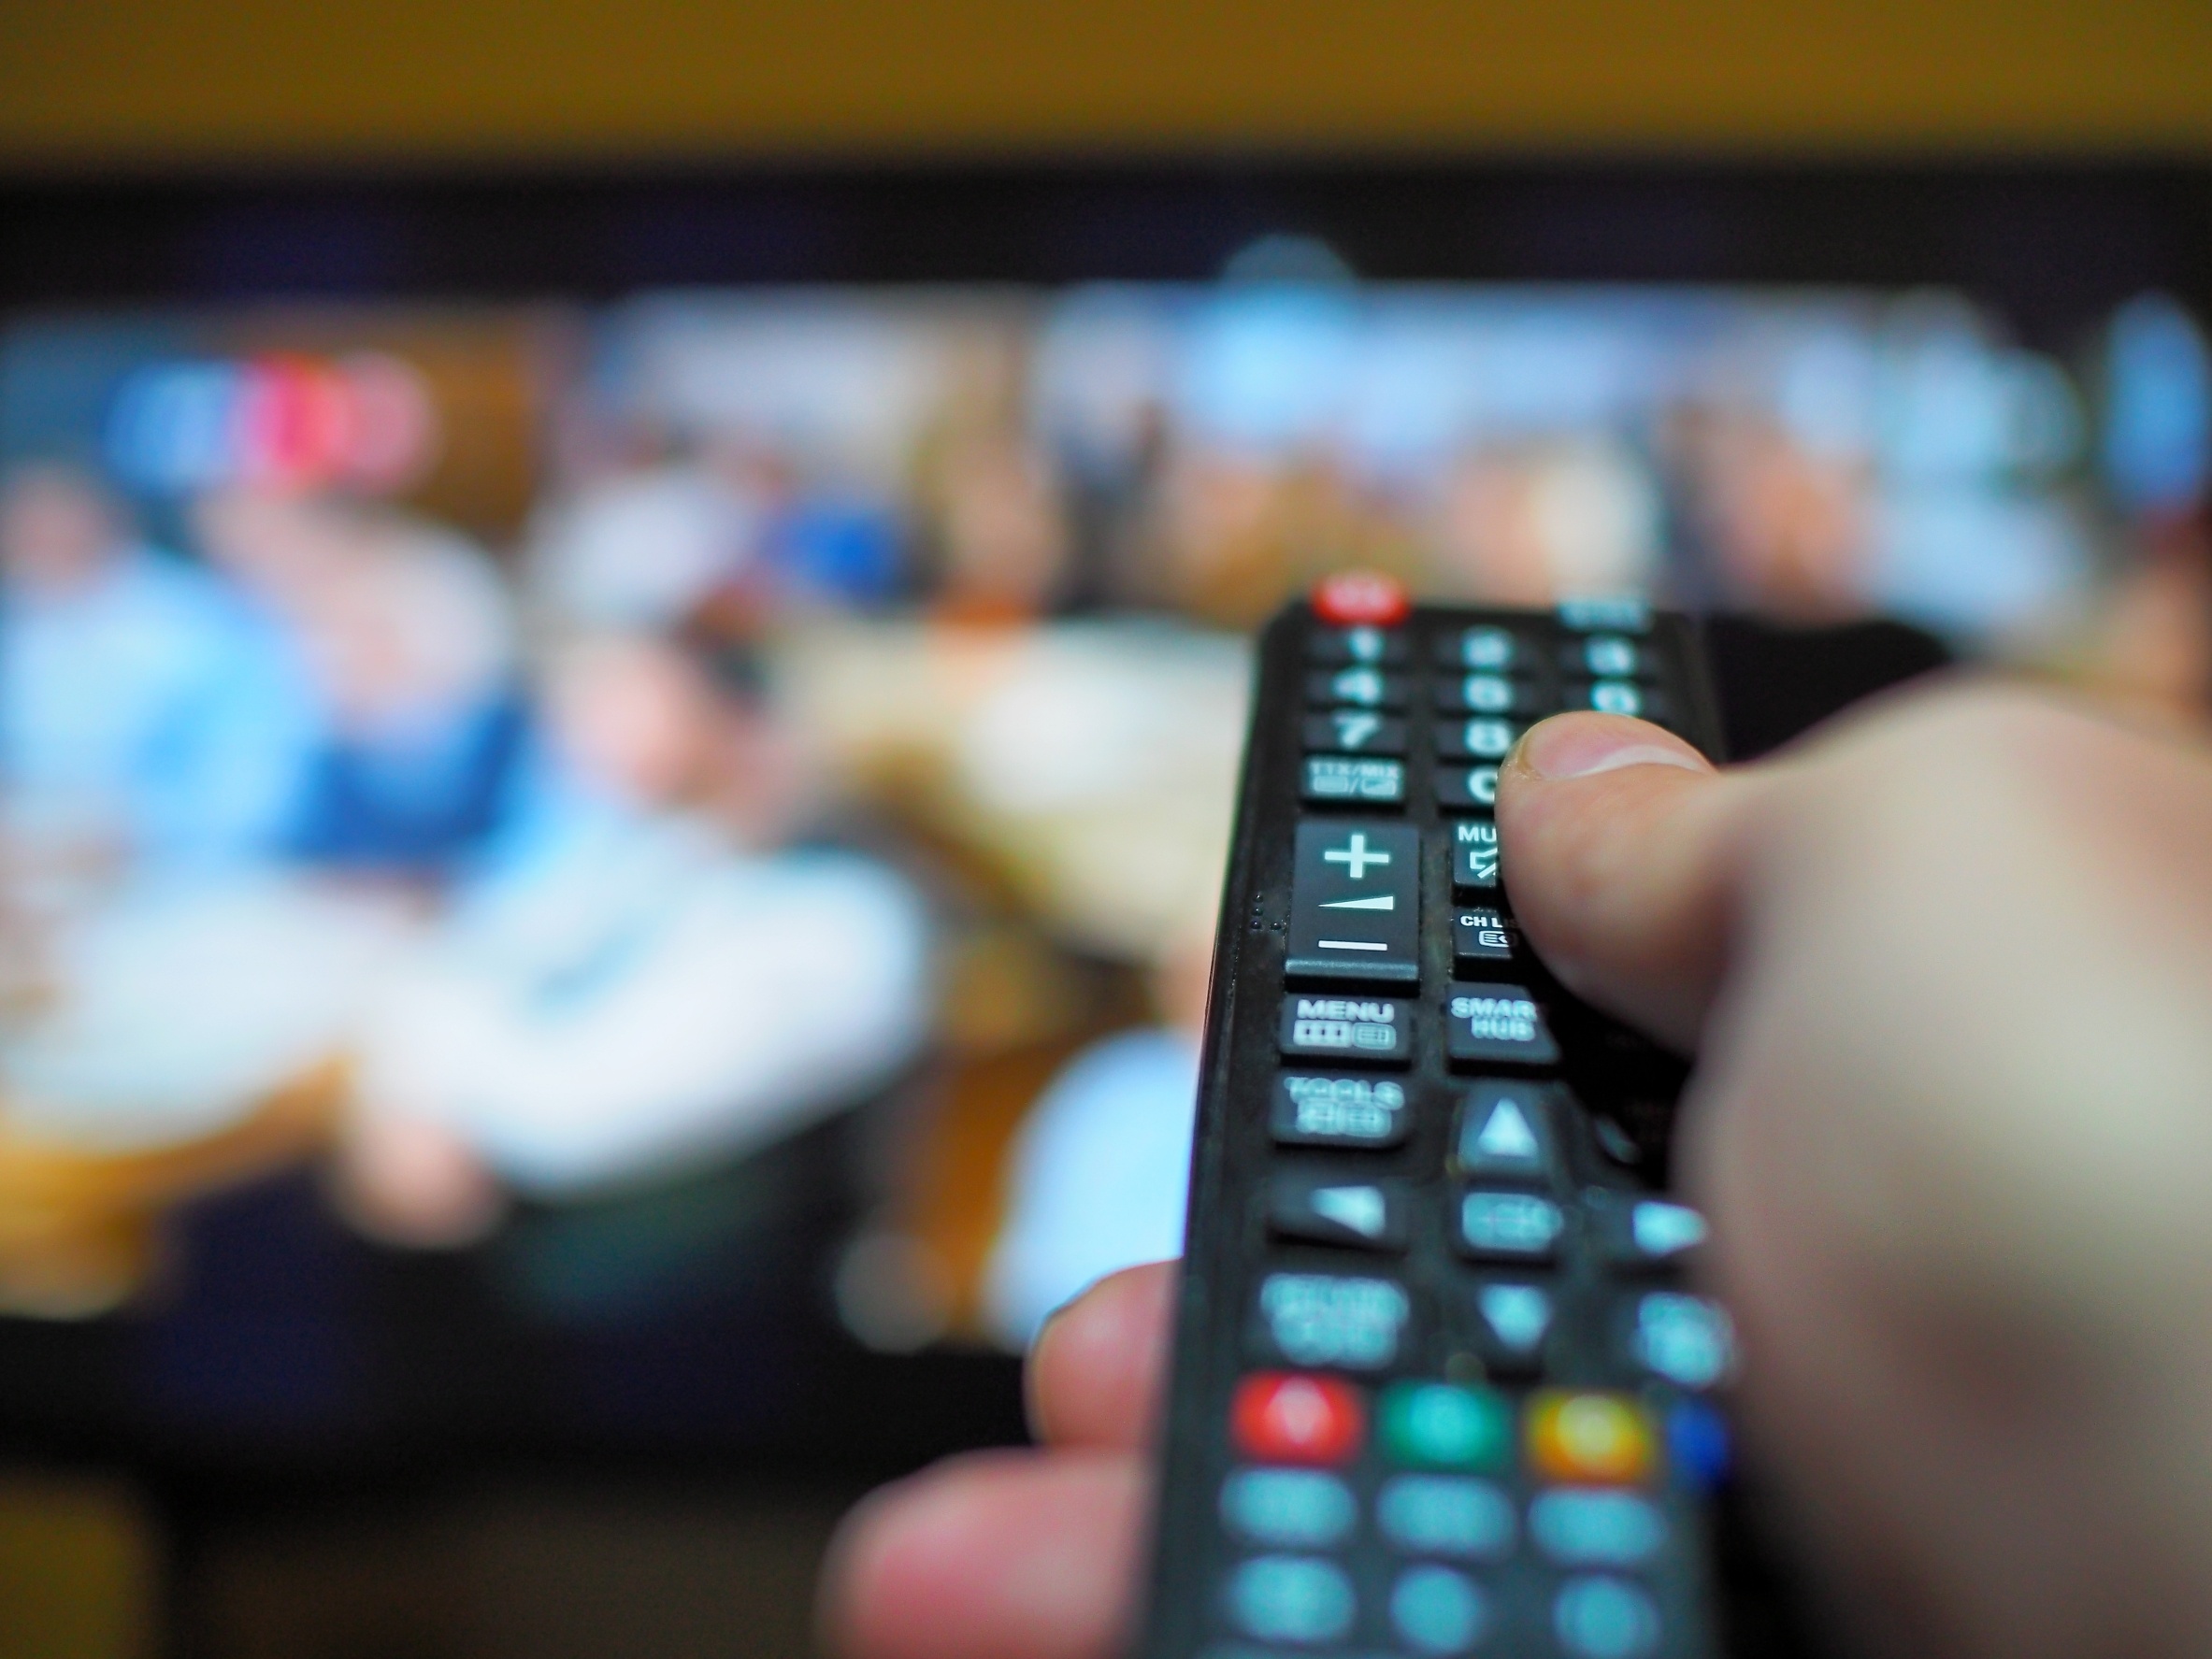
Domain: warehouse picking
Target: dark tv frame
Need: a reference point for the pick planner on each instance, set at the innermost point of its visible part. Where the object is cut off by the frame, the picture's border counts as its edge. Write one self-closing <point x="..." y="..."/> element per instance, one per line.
<point x="2052" y="243"/>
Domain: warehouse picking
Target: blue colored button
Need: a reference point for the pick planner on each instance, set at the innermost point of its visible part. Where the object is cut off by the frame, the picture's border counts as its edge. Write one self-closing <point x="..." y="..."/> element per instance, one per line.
<point x="1445" y="1515"/>
<point x="1293" y="1509"/>
<point x="1437" y="1611"/>
<point x="1583" y="1527"/>
<point x="1290" y="1598"/>
<point x="1605" y="1619"/>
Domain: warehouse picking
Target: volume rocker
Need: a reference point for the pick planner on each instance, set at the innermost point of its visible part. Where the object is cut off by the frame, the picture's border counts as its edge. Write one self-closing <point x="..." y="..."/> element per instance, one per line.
<point x="1355" y="901"/>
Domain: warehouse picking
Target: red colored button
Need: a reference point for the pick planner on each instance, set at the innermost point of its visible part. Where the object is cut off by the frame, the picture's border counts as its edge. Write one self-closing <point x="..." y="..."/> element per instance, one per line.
<point x="1281" y="1416"/>
<point x="1351" y="597"/>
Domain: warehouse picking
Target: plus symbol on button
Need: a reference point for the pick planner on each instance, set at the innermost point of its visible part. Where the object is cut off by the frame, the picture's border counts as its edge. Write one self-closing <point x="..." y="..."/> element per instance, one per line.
<point x="1355" y="857"/>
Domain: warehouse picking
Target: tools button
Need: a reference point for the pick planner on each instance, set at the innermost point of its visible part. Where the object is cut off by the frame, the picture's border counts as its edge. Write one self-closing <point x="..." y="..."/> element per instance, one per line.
<point x="1338" y="1111"/>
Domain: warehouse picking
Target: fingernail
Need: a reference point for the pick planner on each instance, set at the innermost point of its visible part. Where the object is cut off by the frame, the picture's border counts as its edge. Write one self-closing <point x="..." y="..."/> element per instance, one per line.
<point x="1585" y="745"/>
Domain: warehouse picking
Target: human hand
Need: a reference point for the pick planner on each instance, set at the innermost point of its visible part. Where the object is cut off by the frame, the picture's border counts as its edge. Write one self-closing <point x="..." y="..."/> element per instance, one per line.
<point x="1947" y="971"/>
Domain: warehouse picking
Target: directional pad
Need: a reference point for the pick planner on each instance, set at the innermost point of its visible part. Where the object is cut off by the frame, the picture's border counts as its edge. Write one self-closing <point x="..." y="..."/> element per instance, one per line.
<point x="1350" y="1211"/>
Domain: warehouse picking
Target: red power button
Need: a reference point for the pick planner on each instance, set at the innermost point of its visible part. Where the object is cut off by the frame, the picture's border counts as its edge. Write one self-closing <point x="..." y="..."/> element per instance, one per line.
<point x="1352" y="597"/>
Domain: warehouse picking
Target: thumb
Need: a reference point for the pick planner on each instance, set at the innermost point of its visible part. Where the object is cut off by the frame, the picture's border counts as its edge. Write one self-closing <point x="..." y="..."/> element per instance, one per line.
<point x="1620" y="845"/>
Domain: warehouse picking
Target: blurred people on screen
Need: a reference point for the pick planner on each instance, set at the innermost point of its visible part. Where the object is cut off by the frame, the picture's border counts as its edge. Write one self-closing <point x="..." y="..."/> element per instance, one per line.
<point x="145" y="714"/>
<point x="651" y="970"/>
<point x="408" y="635"/>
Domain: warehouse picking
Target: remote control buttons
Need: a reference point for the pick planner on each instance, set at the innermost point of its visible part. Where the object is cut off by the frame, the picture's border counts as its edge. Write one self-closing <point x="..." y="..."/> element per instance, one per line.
<point x="1484" y="738"/>
<point x="1474" y="858"/>
<point x="1349" y="780"/>
<point x="1505" y="1132"/>
<point x="1324" y="1209"/>
<point x="1605" y="616"/>
<point x="1366" y="644"/>
<point x="1594" y="1439"/>
<point x="1481" y="939"/>
<point x="1370" y="1029"/>
<point x="1481" y="651"/>
<point x="1491" y="1023"/>
<point x="1467" y="789"/>
<point x="1355" y="900"/>
<point x="1454" y="1515"/>
<point x="1289" y="1509"/>
<point x="1509" y="1226"/>
<point x="1512" y="1321"/>
<point x="1442" y="1425"/>
<point x="1605" y="1619"/>
<point x="1582" y="1526"/>
<point x="1686" y="1339"/>
<point x="1316" y="1319"/>
<point x="1351" y="597"/>
<point x="1356" y="687"/>
<point x="1650" y="1232"/>
<point x="1437" y="1611"/>
<point x="1608" y="656"/>
<point x="1338" y="1111"/>
<point x="1281" y="1418"/>
<point x="1353" y="731"/>
<point x="1617" y="696"/>
<point x="1490" y="695"/>
<point x="1290" y="1598"/>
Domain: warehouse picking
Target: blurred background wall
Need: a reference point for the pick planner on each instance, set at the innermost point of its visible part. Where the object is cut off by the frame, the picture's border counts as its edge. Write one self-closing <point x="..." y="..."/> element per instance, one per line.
<point x="101" y="83"/>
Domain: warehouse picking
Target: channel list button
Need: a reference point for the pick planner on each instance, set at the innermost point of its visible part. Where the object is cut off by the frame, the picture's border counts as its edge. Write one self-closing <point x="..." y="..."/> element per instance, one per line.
<point x="1372" y="1029"/>
<point x="1493" y="1022"/>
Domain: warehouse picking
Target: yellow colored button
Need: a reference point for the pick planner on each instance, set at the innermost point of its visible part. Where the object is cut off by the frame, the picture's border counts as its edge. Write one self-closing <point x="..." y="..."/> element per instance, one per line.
<point x="1603" y="1438"/>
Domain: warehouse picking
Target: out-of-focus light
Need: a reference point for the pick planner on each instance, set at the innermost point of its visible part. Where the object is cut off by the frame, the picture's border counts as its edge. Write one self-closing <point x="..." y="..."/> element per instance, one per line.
<point x="364" y="421"/>
<point x="2157" y="451"/>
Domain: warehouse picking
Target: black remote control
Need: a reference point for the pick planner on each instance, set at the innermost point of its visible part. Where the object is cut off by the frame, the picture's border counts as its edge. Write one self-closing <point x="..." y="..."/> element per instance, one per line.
<point x="1439" y="1387"/>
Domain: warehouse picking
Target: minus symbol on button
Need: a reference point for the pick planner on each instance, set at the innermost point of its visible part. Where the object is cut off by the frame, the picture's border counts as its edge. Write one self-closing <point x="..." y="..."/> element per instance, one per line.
<point x="1350" y="945"/>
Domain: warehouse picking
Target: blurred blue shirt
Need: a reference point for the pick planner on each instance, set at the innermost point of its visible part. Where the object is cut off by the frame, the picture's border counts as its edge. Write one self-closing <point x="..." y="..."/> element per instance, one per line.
<point x="155" y="703"/>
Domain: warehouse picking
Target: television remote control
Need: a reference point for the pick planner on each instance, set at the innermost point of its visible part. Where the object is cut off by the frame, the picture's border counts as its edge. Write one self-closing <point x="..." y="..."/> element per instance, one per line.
<point x="1439" y="1386"/>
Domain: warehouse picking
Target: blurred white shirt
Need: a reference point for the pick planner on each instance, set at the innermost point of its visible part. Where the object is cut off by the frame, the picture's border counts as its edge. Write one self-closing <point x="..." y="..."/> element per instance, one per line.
<point x="632" y="995"/>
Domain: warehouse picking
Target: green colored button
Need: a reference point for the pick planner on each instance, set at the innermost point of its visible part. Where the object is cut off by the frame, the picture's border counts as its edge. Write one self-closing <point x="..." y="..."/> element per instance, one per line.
<point x="1436" y="1425"/>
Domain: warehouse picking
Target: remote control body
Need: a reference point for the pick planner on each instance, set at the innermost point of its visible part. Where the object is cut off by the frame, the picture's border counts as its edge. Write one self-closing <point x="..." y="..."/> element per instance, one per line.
<point x="1439" y="1386"/>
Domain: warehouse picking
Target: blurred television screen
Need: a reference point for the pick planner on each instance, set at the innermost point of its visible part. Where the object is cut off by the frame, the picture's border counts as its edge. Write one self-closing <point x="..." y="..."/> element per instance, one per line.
<point x="533" y="772"/>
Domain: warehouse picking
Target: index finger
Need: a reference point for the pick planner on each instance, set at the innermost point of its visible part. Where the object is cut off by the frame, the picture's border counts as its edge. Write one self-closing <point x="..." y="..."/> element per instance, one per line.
<point x="1099" y="1366"/>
